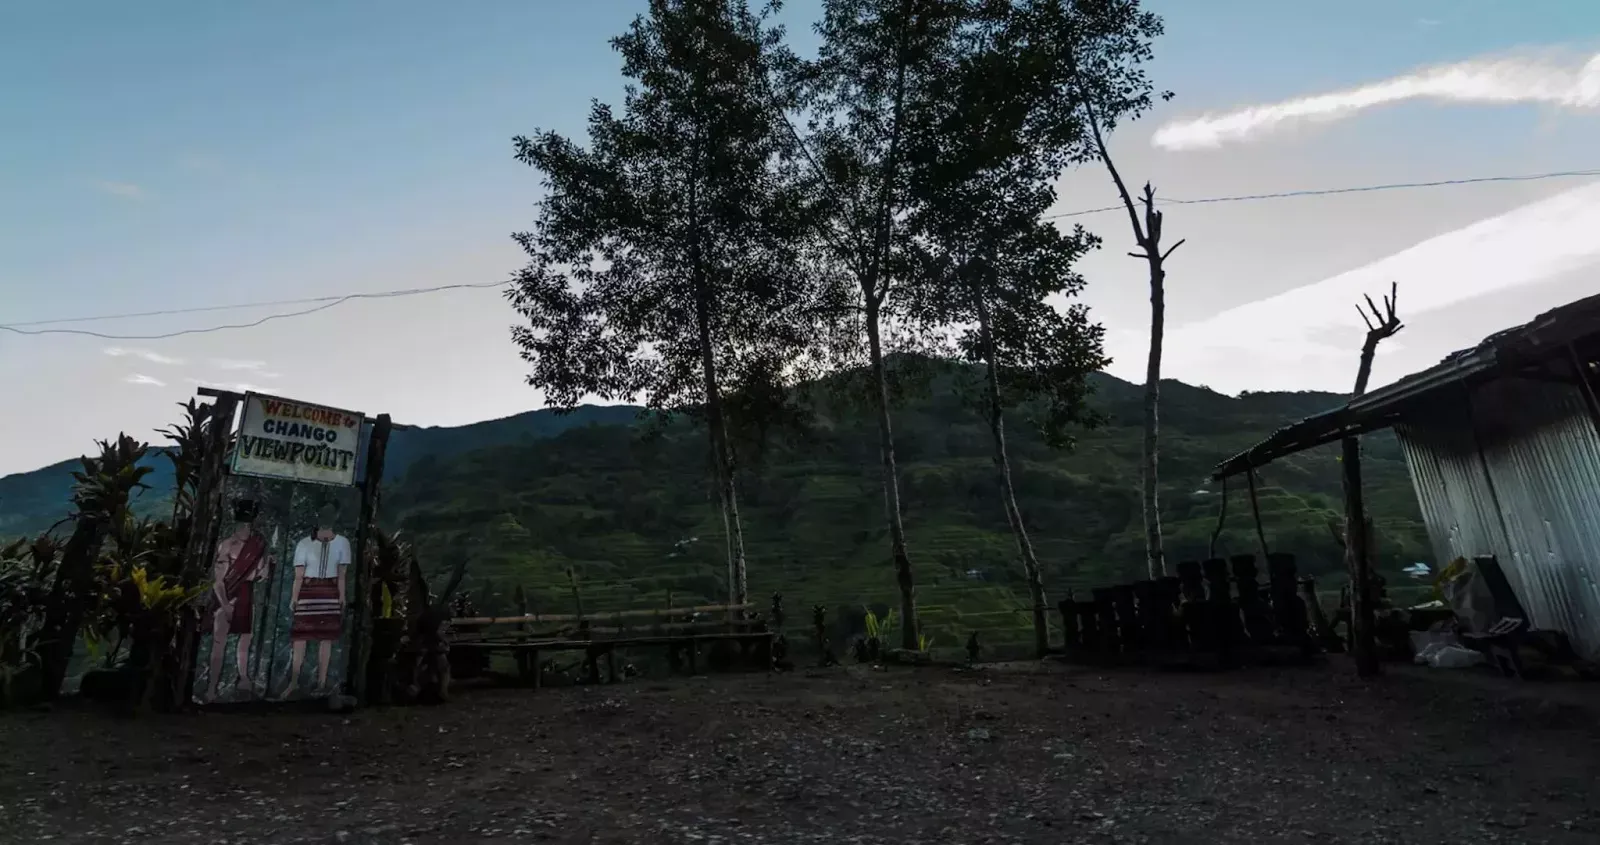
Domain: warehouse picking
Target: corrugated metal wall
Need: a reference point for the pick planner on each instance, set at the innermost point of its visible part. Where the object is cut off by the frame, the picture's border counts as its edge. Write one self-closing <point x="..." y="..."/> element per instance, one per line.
<point x="1530" y="495"/>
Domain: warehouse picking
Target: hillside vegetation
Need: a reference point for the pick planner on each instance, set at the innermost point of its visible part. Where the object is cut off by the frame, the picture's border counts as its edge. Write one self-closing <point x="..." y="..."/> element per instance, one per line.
<point x="632" y="517"/>
<point x="628" y="510"/>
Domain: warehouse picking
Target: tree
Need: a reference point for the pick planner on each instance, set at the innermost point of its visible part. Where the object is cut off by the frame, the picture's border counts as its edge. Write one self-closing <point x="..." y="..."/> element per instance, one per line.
<point x="666" y="255"/>
<point x="993" y="265"/>
<point x="873" y="86"/>
<point x="1358" y="541"/>
<point x="1104" y="42"/>
<point x="883" y="104"/>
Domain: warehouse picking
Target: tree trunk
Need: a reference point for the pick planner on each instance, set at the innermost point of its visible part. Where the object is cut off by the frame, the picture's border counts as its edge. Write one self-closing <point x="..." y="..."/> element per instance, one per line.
<point x="891" y="484"/>
<point x="1002" y="461"/>
<point x="738" y="585"/>
<point x="1357" y="540"/>
<point x="1155" y="556"/>
<point x="873" y="293"/>
<point x="1148" y="237"/>
<point x="1357" y="546"/>
<point x="68" y="596"/>
<point x="716" y="424"/>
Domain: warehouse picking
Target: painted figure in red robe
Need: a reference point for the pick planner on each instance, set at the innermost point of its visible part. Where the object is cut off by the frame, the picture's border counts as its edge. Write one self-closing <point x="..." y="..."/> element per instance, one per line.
<point x="242" y="559"/>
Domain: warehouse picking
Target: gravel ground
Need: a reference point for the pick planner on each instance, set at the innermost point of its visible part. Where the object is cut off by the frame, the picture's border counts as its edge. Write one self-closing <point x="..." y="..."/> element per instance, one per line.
<point x="1015" y="754"/>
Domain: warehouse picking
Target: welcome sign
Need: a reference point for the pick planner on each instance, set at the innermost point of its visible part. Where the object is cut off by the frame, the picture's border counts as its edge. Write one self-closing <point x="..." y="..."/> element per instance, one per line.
<point x="297" y="441"/>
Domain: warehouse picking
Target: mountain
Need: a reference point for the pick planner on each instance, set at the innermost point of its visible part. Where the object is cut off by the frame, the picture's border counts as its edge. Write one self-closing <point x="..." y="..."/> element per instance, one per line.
<point x="635" y="516"/>
<point x="33" y="501"/>
<point x="631" y="513"/>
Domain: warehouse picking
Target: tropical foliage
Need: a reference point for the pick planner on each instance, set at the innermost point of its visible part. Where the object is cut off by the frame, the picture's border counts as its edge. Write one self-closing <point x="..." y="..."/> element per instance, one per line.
<point x="117" y="582"/>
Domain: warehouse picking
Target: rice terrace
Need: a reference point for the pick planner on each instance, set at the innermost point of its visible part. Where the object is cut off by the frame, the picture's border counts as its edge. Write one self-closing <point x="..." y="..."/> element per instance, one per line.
<point x="836" y="520"/>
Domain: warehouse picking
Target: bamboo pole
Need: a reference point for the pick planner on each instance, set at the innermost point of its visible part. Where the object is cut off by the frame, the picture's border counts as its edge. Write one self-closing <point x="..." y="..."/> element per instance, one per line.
<point x="602" y="617"/>
<point x="361" y="643"/>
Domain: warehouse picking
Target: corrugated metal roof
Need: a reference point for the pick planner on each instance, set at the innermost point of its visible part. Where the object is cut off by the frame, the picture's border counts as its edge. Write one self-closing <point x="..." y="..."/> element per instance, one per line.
<point x="1544" y="336"/>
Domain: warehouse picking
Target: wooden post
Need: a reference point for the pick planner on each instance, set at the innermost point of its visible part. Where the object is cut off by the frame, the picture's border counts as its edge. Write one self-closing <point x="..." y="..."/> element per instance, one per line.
<point x="1363" y="617"/>
<point x="355" y="675"/>
<point x="1152" y="635"/>
<point x="1223" y="613"/>
<point x="1089" y="622"/>
<point x="1192" y="589"/>
<point x="1357" y="546"/>
<point x="1069" y="626"/>
<point x="1168" y="593"/>
<point x="1129" y="632"/>
<point x="1255" y="512"/>
<point x="1257" y="621"/>
<point x="1292" y="618"/>
<point x="520" y="598"/>
<point x="1105" y="609"/>
<point x="210" y="485"/>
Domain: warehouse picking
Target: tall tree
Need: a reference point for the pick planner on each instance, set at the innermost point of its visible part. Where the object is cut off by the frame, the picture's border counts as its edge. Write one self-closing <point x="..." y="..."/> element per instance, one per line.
<point x="665" y="257"/>
<point x="993" y="264"/>
<point x="1381" y="325"/>
<point x="1099" y="49"/>
<point x="874" y="85"/>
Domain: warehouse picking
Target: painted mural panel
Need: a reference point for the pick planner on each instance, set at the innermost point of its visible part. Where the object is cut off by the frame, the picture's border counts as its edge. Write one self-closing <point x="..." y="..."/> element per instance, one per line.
<point x="277" y="615"/>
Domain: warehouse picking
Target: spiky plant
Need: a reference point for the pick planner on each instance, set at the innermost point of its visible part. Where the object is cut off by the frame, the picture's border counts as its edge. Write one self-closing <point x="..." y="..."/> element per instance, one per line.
<point x="187" y="454"/>
<point x="27" y="570"/>
<point x="391" y="569"/>
<point x="100" y="498"/>
<point x="106" y="482"/>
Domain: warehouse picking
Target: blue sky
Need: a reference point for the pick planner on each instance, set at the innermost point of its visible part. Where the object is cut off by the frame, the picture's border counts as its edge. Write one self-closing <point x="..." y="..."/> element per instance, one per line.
<point x="175" y="154"/>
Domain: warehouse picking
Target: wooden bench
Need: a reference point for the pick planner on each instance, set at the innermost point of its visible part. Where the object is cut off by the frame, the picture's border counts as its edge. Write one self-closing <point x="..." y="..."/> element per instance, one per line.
<point x="599" y="636"/>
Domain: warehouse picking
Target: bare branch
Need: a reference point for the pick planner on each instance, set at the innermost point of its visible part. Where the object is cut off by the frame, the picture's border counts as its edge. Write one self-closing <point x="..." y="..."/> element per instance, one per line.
<point x="1173" y="248"/>
<point x="1365" y="318"/>
<point x="1122" y="188"/>
<point x="1375" y="312"/>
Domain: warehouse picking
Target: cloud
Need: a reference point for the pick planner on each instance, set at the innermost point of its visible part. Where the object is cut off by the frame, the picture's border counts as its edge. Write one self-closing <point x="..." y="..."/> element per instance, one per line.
<point x="1303" y="339"/>
<point x="140" y="378"/>
<point x="235" y="364"/>
<point x="126" y="190"/>
<point x="1497" y="81"/>
<point x="146" y="354"/>
<point x="258" y="368"/>
<point x="238" y="387"/>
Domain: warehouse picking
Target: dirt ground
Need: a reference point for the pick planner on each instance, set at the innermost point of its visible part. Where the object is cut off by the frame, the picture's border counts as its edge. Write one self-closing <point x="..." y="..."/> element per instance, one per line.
<point x="1000" y="755"/>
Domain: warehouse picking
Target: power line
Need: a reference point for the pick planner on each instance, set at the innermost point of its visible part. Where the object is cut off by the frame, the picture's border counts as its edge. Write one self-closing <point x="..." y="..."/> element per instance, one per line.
<point x="323" y="303"/>
<point x="1322" y="192"/>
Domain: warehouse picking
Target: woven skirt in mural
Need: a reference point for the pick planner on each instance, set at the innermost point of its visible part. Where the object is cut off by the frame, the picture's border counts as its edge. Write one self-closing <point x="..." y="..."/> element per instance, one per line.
<point x="318" y="614"/>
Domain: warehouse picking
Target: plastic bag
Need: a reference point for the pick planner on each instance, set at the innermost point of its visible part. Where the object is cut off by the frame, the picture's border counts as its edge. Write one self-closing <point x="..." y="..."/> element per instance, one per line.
<point x="1454" y="657"/>
<point x="1425" y="643"/>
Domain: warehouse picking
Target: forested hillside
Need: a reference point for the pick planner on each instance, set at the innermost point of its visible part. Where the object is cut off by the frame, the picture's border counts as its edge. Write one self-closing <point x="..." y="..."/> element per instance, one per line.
<point x="616" y="507"/>
<point x="630" y="512"/>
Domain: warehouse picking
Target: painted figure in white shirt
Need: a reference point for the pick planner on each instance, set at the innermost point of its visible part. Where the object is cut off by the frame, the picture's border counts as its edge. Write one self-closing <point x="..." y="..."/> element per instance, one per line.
<point x="318" y="598"/>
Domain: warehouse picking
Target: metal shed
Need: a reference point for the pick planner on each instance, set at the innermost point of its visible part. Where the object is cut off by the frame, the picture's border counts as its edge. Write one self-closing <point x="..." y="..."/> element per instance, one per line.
<point x="1503" y="445"/>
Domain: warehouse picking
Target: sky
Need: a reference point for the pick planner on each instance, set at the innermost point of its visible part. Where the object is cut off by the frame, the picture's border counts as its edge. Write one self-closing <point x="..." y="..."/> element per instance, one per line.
<point x="193" y="154"/>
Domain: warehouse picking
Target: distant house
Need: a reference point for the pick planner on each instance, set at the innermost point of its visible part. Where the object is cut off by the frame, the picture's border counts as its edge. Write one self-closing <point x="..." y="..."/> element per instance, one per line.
<point x="1503" y="444"/>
